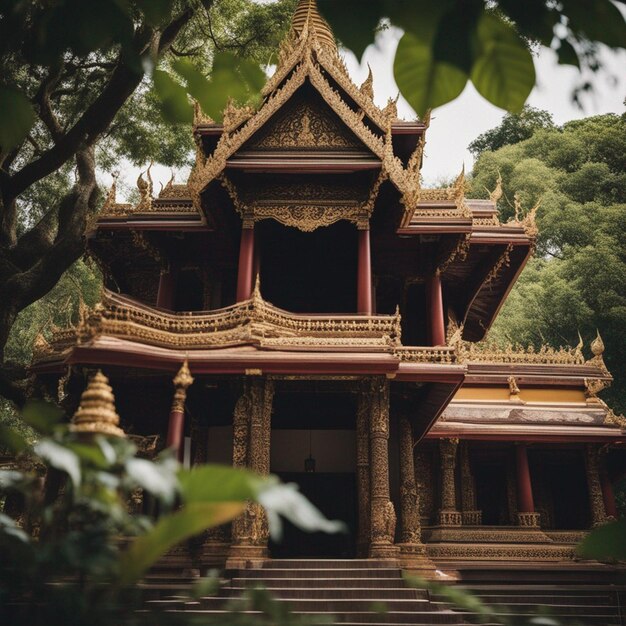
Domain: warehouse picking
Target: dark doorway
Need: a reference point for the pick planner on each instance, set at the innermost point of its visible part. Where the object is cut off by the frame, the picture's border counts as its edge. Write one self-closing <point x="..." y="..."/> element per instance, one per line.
<point x="565" y="477"/>
<point x="491" y="492"/>
<point x="309" y="272"/>
<point x="335" y="495"/>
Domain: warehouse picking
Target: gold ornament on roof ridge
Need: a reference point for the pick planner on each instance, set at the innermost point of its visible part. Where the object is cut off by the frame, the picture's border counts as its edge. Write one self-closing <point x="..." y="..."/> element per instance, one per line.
<point x="96" y="413"/>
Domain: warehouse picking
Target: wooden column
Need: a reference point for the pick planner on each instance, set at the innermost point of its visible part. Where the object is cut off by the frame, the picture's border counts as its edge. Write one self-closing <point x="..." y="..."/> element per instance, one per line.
<point x="434" y="298"/>
<point x="364" y="273"/>
<point x="469" y="511"/>
<point x="383" y="515"/>
<point x="412" y="550"/>
<point x="165" y="294"/>
<point x="363" y="473"/>
<point x="251" y="448"/>
<point x="596" y="499"/>
<point x="176" y="426"/>
<point x="526" y="515"/>
<point x="610" y="506"/>
<point x="448" y="514"/>
<point x="245" y="276"/>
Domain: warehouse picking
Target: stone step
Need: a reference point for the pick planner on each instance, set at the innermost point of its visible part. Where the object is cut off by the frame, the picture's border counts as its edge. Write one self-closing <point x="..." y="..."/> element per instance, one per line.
<point x="320" y="572"/>
<point x="330" y="593"/>
<point x="361" y="617"/>
<point x="328" y="564"/>
<point x="394" y="582"/>
<point x="336" y="605"/>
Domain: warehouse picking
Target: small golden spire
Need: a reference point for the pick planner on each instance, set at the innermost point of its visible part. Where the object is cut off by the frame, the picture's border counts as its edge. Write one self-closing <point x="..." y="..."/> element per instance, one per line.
<point x="96" y="414"/>
<point x="111" y="200"/>
<point x="597" y="345"/>
<point x="256" y="293"/>
<point x="307" y="18"/>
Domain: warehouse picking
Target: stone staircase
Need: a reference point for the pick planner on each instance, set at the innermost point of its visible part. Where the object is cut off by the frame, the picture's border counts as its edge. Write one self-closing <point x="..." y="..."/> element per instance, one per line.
<point x="348" y="592"/>
<point x="584" y="594"/>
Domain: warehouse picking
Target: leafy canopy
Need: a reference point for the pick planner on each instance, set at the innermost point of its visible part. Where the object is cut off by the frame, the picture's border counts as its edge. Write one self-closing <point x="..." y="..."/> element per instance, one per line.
<point x="450" y="42"/>
<point x="577" y="282"/>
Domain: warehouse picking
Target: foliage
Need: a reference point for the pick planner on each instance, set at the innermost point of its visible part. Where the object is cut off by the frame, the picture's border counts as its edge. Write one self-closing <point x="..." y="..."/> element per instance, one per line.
<point x="577" y="282"/>
<point x="448" y="43"/>
<point x="515" y="127"/>
<point x="64" y="561"/>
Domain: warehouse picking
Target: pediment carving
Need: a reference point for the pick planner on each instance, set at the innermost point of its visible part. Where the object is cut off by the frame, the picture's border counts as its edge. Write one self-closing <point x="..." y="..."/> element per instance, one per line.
<point x="304" y="123"/>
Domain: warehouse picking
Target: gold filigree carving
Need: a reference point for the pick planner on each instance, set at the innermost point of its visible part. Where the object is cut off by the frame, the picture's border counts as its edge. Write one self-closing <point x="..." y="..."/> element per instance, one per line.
<point x="182" y="381"/>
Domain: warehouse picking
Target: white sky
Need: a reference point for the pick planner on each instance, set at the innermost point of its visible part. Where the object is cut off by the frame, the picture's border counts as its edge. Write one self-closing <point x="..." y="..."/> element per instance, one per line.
<point x="455" y="125"/>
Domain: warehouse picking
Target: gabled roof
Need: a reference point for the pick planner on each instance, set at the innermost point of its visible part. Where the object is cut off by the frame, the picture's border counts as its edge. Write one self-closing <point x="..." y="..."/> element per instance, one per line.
<point x="309" y="54"/>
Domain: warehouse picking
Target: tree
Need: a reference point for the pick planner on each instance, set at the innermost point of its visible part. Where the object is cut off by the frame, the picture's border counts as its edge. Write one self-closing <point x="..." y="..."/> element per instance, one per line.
<point x="77" y="96"/>
<point x="577" y="281"/>
<point x="515" y="127"/>
<point x="450" y="42"/>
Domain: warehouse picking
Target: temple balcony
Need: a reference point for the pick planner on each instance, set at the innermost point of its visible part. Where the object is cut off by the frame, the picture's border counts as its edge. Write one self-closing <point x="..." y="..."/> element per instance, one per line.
<point x="252" y="323"/>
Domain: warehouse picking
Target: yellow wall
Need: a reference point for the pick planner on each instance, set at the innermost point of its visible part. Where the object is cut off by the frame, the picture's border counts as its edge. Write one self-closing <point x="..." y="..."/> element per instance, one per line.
<point x="501" y="394"/>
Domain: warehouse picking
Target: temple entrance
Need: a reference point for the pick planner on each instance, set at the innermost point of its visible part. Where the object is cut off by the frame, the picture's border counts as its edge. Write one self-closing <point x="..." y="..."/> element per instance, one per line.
<point x="334" y="494"/>
<point x="313" y="445"/>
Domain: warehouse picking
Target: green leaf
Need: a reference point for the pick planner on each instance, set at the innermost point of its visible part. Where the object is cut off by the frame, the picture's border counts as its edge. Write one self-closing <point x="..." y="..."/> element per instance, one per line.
<point x="156" y="11"/>
<point x="286" y="500"/>
<point x="157" y="478"/>
<point x="424" y="82"/>
<point x="355" y="34"/>
<point x="17" y="117"/>
<point x="567" y="54"/>
<point x="231" y="77"/>
<point x="175" y="106"/>
<point x="59" y="457"/>
<point x="11" y="439"/>
<point x="170" y="531"/>
<point x="599" y="20"/>
<point x="42" y="416"/>
<point x="503" y="72"/>
<point x="607" y="542"/>
<point x="453" y="40"/>
<point x="219" y="483"/>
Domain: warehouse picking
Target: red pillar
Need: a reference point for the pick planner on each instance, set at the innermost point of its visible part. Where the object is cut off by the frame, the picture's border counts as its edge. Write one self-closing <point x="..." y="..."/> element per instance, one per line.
<point x="607" y="494"/>
<point x="165" y="294"/>
<point x="364" y="277"/>
<point x="525" y="502"/>
<point x="176" y="426"/>
<point x="175" y="432"/>
<point x="245" y="275"/>
<point x="434" y="297"/>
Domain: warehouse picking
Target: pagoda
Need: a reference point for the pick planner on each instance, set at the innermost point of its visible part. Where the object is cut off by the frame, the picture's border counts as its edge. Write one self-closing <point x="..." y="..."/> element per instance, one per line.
<point x="322" y="315"/>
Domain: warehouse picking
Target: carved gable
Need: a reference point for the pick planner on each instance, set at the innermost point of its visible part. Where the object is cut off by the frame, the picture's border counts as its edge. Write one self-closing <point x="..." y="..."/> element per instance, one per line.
<point x="304" y="123"/>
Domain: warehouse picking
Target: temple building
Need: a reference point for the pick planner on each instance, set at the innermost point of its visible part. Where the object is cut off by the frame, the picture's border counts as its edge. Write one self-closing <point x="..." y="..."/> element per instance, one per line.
<point x="322" y="318"/>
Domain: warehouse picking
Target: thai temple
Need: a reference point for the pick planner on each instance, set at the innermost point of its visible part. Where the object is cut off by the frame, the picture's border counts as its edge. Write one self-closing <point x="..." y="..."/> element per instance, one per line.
<point x="302" y="306"/>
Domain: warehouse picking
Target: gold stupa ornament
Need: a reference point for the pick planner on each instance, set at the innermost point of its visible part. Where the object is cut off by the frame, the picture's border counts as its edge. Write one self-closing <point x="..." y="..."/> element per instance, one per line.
<point x="307" y="16"/>
<point x="97" y="414"/>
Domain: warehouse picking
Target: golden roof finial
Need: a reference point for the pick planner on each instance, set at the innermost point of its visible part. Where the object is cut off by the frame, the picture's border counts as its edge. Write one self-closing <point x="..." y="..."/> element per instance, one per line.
<point x="597" y="345"/>
<point x="111" y="200"/>
<point x="496" y="194"/>
<point x="183" y="379"/>
<point x="256" y="293"/>
<point x="96" y="414"/>
<point x="308" y="18"/>
<point x="367" y="88"/>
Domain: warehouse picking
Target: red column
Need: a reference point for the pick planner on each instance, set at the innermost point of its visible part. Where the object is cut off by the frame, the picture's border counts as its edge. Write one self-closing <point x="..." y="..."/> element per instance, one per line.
<point x="175" y="432"/>
<point x="525" y="502"/>
<point x="434" y="297"/>
<point x="176" y="426"/>
<point x="245" y="276"/>
<point x="165" y="294"/>
<point x="364" y="277"/>
<point x="607" y="494"/>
